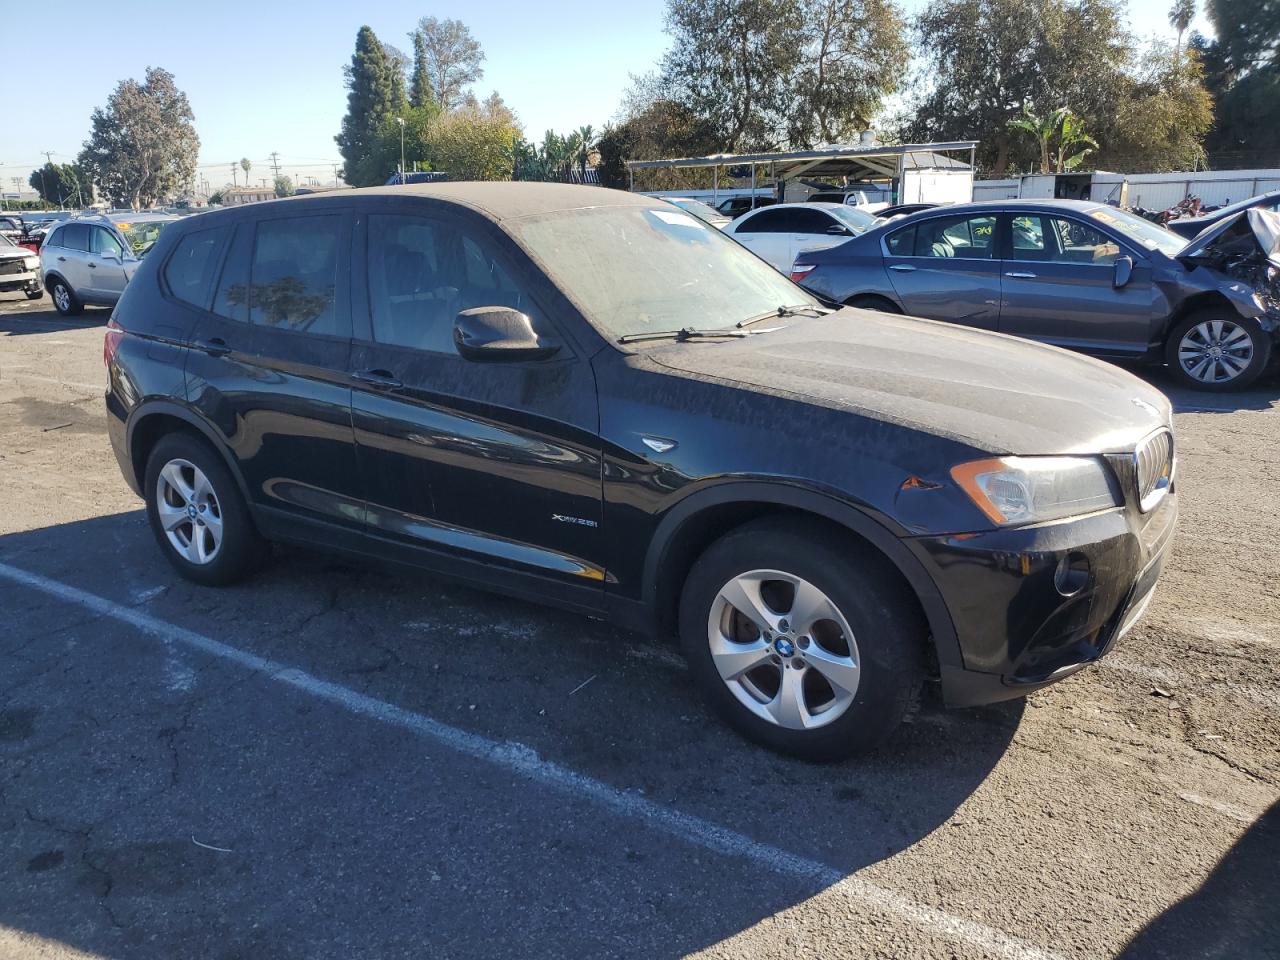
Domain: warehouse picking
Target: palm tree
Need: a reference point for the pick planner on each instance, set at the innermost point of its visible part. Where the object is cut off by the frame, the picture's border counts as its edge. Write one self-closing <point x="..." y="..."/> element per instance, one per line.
<point x="587" y="142"/>
<point x="1069" y="131"/>
<point x="1180" y="16"/>
<point x="245" y="165"/>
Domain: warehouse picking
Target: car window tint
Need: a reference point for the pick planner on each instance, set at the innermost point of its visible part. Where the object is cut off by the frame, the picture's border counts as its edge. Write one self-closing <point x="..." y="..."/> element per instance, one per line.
<point x="232" y="298"/>
<point x="75" y="236"/>
<point x="295" y="269"/>
<point x="812" y="221"/>
<point x="768" y="221"/>
<point x="189" y="271"/>
<point x="1079" y="243"/>
<point x="104" y="242"/>
<point x="1027" y="239"/>
<point x="901" y="244"/>
<point x="966" y="237"/>
<point x="423" y="272"/>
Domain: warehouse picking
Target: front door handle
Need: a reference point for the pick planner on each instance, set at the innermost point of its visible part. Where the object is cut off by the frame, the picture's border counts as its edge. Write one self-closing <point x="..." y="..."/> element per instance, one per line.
<point x="1020" y="276"/>
<point x="378" y="379"/>
<point x="93" y="266"/>
<point x="901" y="267"/>
<point x="214" y="347"/>
<point x="62" y="259"/>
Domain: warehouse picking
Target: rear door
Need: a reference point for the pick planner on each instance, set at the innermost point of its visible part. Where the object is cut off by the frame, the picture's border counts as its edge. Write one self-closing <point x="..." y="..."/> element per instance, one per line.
<point x="497" y="463"/>
<point x="268" y="368"/>
<point x="945" y="268"/>
<point x="767" y="234"/>
<point x="1059" y="286"/>
<point x="69" y="256"/>
<point x="815" y="229"/>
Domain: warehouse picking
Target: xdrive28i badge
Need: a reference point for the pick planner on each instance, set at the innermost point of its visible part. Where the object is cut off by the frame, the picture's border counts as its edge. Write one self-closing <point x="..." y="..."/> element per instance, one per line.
<point x="580" y="521"/>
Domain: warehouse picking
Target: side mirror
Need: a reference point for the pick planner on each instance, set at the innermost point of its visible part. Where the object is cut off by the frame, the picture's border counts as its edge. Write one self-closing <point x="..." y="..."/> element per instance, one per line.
<point x="1124" y="270"/>
<point x="498" y="334"/>
<point x="837" y="231"/>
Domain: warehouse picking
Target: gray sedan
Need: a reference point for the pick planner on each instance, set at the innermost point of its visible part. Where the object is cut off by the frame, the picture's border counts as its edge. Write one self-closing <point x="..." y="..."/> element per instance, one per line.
<point x="1075" y="274"/>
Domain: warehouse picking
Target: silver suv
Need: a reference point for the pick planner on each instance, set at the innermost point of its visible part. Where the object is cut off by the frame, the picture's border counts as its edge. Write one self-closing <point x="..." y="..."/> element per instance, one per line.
<point x="88" y="261"/>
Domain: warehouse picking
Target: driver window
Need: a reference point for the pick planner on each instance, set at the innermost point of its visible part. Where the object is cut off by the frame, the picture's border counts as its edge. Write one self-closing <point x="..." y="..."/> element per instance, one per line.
<point x="104" y="242"/>
<point x="1078" y="243"/>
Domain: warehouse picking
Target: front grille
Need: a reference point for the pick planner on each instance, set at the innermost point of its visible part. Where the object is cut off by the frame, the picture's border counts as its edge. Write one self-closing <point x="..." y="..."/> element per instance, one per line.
<point x="1153" y="463"/>
<point x="11" y="266"/>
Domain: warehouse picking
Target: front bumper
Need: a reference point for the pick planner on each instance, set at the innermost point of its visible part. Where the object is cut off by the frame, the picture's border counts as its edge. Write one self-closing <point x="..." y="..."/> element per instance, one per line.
<point x="26" y="280"/>
<point x="1034" y="605"/>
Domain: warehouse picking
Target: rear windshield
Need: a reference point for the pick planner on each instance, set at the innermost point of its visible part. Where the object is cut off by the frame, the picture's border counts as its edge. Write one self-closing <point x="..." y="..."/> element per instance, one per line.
<point x="635" y="269"/>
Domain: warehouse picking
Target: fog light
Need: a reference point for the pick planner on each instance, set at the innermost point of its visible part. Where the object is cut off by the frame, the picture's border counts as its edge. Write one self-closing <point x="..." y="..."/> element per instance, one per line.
<point x="1072" y="574"/>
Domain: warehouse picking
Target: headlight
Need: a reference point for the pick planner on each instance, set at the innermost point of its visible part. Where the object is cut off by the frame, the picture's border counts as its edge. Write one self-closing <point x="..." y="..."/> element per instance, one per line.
<point x="1017" y="490"/>
<point x="31" y="263"/>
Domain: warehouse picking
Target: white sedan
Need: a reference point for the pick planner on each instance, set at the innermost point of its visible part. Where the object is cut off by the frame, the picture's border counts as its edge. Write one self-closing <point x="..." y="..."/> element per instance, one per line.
<point x="778" y="233"/>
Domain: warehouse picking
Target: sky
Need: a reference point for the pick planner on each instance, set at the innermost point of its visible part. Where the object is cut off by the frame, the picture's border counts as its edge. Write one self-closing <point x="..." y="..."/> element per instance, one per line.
<point x="268" y="77"/>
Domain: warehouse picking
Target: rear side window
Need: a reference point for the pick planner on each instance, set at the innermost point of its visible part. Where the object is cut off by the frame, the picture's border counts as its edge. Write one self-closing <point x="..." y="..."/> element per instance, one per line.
<point x="74" y="236"/>
<point x="189" y="271"/>
<point x="294" y="274"/>
<point x="902" y="243"/>
<point x="965" y="237"/>
<point x="812" y="221"/>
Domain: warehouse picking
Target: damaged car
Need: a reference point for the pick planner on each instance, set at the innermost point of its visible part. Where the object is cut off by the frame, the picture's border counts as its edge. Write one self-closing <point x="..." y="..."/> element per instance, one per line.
<point x="1074" y="274"/>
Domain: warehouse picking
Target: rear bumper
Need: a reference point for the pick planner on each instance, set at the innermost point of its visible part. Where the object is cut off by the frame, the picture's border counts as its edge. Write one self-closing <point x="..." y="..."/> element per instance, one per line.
<point x="1025" y="614"/>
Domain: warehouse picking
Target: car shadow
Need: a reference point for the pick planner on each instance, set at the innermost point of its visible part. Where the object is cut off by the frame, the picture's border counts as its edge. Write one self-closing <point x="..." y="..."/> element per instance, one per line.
<point x="1263" y="395"/>
<point x="23" y="322"/>
<point x="1233" y="914"/>
<point x="585" y="696"/>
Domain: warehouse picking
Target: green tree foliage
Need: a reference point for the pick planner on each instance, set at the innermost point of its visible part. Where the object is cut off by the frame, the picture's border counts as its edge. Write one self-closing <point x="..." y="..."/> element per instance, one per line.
<point x="473" y="145"/>
<point x="1243" y="73"/>
<point x="384" y="154"/>
<point x="370" y="100"/>
<point x="762" y="73"/>
<point x="284" y="186"/>
<point x="143" y="145"/>
<point x="1180" y="16"/>
<point x="400" y="64"/>
<point x="421" y="92"/>
<point x="246" y="165"/>
<point x="451" y="57"/>
<point x="59" y="183"/>
<point x="1165" y="113"/>
<point x="1060" y="136"/>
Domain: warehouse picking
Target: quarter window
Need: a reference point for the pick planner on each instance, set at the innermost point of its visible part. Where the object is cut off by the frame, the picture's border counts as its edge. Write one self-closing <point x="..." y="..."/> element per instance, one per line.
<point x="422" y="273"/>
<point x="963" y="237"/>
<point x="189" y="270"/>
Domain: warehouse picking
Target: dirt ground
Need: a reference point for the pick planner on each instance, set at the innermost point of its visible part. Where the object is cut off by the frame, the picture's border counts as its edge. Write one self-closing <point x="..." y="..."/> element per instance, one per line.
<point x="337" y="761"/>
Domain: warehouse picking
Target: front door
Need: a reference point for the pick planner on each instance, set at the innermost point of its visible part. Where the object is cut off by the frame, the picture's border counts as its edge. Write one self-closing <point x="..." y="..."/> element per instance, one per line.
<point x="105" y="266"/>
<point x="945" y="268"/>
<point x="1059" y="286"/>
<point x="496" y="463"/>
<point x="268" y="369"/>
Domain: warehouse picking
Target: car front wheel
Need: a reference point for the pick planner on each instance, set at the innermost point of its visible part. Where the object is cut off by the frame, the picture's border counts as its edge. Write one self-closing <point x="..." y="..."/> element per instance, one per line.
<point x="1217" y="349"/>
<point x="802" y="641"/>
<point x="197" y="514"/>
<point x="65" y="300"/>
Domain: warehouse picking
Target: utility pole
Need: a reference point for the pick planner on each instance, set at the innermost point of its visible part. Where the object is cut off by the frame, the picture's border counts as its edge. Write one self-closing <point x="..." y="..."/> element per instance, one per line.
<point x="48" y="156"/>
<point x="335" y="174"/>
<point x="400" y="120"/>
<point x="275" y="164"/>
<point x="233" y="176"/>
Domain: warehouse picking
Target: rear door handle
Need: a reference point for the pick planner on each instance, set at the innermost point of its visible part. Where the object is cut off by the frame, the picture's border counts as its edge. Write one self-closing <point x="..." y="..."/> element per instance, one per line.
<point x="378" y="379"/>
<point x="214" y="347"/>
<point x="1021" y="276"/>
<point x="901" y="267"/>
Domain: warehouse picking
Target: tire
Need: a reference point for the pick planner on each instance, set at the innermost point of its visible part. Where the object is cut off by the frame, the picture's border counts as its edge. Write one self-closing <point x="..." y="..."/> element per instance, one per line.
<point x="884" y="642"/>
<point x="64" y="298"/>
<point x="35" y="294"/>
<point x="869" y="301"/>
<point x="194" y="547"/>
<point x="1241" y="341"/>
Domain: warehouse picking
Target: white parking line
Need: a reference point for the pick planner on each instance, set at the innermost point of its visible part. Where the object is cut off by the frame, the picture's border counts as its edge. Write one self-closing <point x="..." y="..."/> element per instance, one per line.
<point x="524" y="761"/>
<point x="1226" y="809"/>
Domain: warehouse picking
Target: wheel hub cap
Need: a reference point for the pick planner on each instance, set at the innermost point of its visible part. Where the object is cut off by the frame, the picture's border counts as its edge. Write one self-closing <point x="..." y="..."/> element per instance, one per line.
<point x="784" y="647"/>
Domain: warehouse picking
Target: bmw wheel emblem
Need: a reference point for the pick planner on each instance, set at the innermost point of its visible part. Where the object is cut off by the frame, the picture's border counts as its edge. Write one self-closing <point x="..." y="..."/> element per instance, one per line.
<point x="784" y="647"/>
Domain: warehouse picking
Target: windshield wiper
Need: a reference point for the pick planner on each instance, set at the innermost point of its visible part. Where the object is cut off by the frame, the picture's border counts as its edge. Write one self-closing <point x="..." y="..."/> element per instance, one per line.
<point x="684" y="333"/>
<point x="780" y="313"/>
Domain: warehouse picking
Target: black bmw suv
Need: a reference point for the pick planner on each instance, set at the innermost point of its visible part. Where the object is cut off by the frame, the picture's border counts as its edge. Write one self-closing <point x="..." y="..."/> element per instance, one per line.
<point x="590" y="398"/>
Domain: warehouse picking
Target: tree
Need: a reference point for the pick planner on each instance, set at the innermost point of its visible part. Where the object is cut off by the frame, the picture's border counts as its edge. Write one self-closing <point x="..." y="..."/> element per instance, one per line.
<point x="284" y="186"/>
<point x="384" y="153"/>
<point x="370" y="100"/>
<point x="1242" y="69"/>
<point x="987" y="60"/>
<point x="143" y="145"/>
<point x="215" y="198"/>
<point x="400" y="64"/>
<point x="1061" y="129"/>
<point x="1164" y="116"/>
<point x="473" y="145"/>
<point x="421" y="92"/>
<point x="452" y="58"/>
<point x="1180" y="16"/>
<point x="246" y="166"/>
<point x="58" y="183"/>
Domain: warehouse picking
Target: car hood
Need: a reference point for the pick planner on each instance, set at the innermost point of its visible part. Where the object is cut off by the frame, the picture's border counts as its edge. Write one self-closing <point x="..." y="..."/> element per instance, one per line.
<point x="1263" y="224"/>
<point x="14" y="253"/>
<point x="996" y="393"/>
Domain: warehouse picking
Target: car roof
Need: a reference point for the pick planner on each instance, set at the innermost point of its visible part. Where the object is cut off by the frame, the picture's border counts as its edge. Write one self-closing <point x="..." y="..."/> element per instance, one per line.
<point x="502" y="199"/>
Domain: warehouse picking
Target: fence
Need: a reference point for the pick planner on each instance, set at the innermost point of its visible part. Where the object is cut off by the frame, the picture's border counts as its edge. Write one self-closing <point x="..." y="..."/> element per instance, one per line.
<point x="1158" y="191"/>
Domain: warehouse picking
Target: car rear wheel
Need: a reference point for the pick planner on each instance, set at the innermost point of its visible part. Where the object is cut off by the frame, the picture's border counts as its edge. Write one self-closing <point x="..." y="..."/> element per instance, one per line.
<point x="65" y="300"/>
<point x="1217" y="349"/>
<point x="802" y="641"/>
<point x="197" y="514"/>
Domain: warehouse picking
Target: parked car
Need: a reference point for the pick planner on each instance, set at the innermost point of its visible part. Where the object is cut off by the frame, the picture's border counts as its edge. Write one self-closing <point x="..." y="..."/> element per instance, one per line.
<point x="903" y="210"/>
<point x="1190" y="226"/>
<point x="704" y="212"/>
<point x="85" y="262"/>
<point x="141" y="229"/>
<point x="577" y="396"/>
<point x="1066" y="272"/>
<point x="19" y="270"/>
<point x="779" y="233"/>
<point x="733" y="207"/>
<point x="12" y="226"/>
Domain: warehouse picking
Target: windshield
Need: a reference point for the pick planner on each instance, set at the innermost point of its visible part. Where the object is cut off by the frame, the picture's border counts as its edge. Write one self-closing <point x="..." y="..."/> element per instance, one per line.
<point x="699" y="209"/>
<point x="637" y="270"/>
<point x="859" y="221"/>
<point x="1140" y="231"/>
<point x="142" y="236"/>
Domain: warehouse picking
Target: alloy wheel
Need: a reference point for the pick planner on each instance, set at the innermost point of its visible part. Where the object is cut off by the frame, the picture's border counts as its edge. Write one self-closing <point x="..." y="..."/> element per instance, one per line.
<point x="784" y="649"/>
<point x="61" y="297"/>
<point x="1215" y="351"/>
<point x="189" y="511"/>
